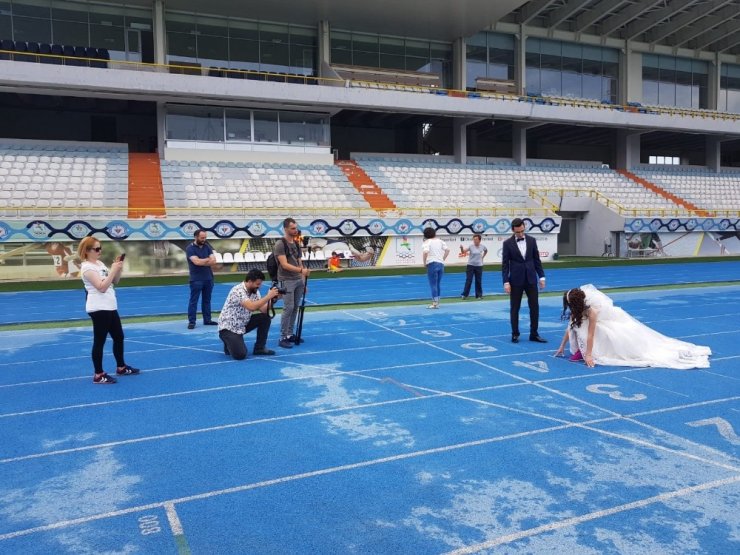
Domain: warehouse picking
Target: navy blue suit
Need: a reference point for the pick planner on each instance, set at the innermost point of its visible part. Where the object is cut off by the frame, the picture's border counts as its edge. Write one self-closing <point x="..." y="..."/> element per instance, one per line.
<point x="523" y="274"/>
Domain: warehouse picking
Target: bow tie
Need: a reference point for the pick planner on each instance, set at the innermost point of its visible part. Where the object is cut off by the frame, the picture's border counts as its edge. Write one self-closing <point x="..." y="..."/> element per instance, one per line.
<point x="519" y="239"/>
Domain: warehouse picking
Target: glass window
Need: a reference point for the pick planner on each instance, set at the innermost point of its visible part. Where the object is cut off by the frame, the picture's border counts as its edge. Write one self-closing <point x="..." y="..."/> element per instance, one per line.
<point x="180" y="23"/>
<point x="139" y="19"/>
<point x="733" y="101"/>
<point x="666" y="92"/>
<point x="277" y="34"/>
<point x="181" y="46"/>
<point x="69" y="11"/>
<point x="417" y="64"/>
<point x="341" y="41"/>
<point x="292" y="128"/>
<point x="390" y="45"/>
<point x="302" y="59"/>
<point x="303" y="36"/>
<point x="244" y="30"/>
<point x="476" y="53"/>
<point x="33" y="8"/>
<point x="238" y="125"/>
<point x="365" y="43"/>
<point x="341" y="56"/>
<point x="572" y="84"/>
<point x="316" y="129"/>
<point x="194" y="124"/>
<point x="32" y="29"/>
<point x="368" y="59"/>
<point x="213" y="26"/>
<point x="265" y="127"/>
<point x="274" y="57"/>
<point x="417" y="48"/>
<point x="213" y="51"/>
<point x="111" y="38"/>
<point x="6" y="27"/>
<point x="244" y="54"/>
<point x="440" y="51"/>
<point x="106" y="15"/>
<point x="390" y="61"/>
<point x="70" y="33"/>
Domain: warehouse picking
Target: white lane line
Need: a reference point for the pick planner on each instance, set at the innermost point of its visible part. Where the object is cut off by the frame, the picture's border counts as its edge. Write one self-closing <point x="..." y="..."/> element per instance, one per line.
<point x="574" y="521"/>
<point x="657" y="387"/>
<point x="275" y="481"/>
<point x="173" y="519"/>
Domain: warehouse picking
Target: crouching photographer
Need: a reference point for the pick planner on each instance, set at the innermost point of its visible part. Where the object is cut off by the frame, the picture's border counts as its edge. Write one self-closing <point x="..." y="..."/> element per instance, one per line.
<point x="245" y="309"/>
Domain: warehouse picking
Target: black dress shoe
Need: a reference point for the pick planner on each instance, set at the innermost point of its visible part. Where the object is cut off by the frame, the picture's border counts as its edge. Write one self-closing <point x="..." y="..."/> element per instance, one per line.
<point x="537" y="339"/>
<point x="191" y="326"/>
<point x="515" y="339"/>
<point x="211" y="323"/>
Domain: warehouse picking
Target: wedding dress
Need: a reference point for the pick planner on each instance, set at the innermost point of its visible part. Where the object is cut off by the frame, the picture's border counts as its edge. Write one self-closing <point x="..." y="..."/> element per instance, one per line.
<point x="621" y="340"/>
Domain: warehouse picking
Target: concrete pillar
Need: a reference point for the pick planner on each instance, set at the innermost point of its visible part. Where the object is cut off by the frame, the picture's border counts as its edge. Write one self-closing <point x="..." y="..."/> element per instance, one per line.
<point x="161" y="131"/>
<point x="459" y="65"/>
<point x="520" y="64"/>
<point x="713" y="153"/>
<point x="630" y="76"/>
<point x="628" y="149"/>
<point x="460" y="140"/>
<point x="324" y="40"/>
<point x="713" y="85"/>
<point x="519" y="143"/>
<point x="159" y="32"/>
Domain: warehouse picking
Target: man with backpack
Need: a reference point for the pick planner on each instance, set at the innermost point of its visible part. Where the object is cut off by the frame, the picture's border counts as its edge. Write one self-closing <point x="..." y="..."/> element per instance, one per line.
<point x="292" y="274"/>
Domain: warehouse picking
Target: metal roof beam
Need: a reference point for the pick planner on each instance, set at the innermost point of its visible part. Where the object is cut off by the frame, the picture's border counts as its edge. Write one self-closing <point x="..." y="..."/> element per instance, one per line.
<point x="726" y="29"/>
<point x="533" y="9"/>
<point x="599" y="10"/>
<point x="710" y="22"/>
<point x="564" y="12"/>
<point x="682" y="20"/>
<point x="637" y="28"/>
<point x="728" y="42"/>
<point x="625" y="16"/>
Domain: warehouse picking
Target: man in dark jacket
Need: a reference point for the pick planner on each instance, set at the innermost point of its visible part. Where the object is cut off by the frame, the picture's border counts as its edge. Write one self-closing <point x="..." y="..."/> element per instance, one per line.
<point x="522" y="270"/>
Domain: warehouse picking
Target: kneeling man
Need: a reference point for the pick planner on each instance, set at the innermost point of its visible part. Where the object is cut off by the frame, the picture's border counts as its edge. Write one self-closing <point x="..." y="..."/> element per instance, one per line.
<point x="244" y="310"/>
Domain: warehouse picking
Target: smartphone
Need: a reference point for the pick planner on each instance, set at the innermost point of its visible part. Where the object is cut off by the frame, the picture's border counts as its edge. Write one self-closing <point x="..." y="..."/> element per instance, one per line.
<point x="122" y="257"/>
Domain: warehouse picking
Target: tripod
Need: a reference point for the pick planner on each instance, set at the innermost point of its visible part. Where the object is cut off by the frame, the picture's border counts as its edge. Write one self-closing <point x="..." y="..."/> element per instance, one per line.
<point x="302" y="308"/>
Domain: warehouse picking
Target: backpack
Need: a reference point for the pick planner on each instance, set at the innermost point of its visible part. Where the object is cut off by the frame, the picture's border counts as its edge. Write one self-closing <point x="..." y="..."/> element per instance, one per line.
<point x="272" y="263"/>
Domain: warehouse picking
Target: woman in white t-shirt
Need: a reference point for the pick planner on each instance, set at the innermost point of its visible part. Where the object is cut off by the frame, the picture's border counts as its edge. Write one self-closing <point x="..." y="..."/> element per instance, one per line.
<point x="102" y="307"/>
<point x="434" y="254"/>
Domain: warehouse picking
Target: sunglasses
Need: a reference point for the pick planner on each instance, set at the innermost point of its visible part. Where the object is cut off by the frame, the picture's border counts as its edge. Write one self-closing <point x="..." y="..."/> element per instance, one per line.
<point x="96" y="249"/>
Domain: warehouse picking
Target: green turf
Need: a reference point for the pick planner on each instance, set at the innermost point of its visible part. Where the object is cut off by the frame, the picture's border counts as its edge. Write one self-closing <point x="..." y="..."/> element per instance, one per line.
<point x="563" y="262"/>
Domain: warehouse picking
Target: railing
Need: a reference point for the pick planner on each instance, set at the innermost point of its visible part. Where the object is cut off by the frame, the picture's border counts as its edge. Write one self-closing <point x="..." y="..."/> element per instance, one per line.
<point x="541" y="193"/>
<point x="26" y="212"/>
<point x="196" y="69"/>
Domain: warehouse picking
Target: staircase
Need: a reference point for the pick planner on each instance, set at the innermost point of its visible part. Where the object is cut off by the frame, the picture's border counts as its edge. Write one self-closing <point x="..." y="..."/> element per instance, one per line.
<point x="665" y="194"/>
<point x="372" y="194"/>
<point x="145" y="194"/>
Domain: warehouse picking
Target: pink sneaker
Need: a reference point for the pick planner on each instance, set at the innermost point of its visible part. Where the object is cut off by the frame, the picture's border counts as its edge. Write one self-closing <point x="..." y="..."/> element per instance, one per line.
<point x="576" y="357"/>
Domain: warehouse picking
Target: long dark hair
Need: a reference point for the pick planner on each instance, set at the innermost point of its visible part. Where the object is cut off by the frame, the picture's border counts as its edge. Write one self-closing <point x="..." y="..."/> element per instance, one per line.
<point x="574" y="302"/>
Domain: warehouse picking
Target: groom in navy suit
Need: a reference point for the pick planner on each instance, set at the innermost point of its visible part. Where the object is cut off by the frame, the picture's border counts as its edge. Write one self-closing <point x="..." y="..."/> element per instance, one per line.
<point x="522" y="270"/>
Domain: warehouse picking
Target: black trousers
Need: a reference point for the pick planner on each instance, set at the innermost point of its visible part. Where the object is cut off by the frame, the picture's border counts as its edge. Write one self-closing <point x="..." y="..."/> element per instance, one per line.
<point x="234" y="342"/>
<point x="106" y="322"/>
<point x="515" y="298"/>
<point x="470" y="273"/>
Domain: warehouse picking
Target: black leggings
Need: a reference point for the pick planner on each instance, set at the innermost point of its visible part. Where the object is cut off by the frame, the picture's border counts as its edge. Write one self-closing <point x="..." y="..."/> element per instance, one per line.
<point x="106" y="322"/>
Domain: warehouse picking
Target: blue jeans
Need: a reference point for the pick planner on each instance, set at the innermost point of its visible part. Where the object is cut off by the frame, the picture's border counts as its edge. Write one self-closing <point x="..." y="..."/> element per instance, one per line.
<point x="196" y="288"/>
<point x="435" y="271"/>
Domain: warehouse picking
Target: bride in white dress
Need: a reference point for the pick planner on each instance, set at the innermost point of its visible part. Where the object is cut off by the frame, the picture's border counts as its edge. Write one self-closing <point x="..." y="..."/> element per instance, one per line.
<point x="604" y="334"/>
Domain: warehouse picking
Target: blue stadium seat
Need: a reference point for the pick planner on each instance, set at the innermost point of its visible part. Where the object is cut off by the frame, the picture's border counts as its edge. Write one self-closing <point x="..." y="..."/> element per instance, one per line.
<point x="9" y="45"/>
<point x="81" y="52"/>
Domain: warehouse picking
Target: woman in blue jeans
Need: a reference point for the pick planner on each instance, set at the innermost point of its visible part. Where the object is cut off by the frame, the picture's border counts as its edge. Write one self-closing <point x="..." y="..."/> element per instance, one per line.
<point x="435" y="252"/>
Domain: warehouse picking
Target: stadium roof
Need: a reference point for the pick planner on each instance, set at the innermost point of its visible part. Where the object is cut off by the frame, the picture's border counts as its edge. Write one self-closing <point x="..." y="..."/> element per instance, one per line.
<point x="431" y="19"/>
<point x="712" y="25"/>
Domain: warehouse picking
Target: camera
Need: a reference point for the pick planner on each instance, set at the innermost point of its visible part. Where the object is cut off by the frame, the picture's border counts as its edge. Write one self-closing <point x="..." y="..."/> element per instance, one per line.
<point x="279" y="286"/>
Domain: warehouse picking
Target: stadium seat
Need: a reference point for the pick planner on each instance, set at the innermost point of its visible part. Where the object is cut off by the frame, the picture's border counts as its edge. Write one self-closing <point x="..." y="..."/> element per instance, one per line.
<point x="228" y="258"/>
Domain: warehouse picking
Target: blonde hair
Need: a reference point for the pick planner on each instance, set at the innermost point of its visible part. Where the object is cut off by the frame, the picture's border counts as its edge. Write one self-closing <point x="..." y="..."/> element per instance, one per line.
<point x="85" y="245"/>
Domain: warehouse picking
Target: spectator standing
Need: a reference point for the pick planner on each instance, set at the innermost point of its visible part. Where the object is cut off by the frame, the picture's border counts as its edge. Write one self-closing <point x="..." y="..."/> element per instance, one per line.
<point x="474" y="270"/>
<point x="292" y="274"/>
<point x="201" y="258"/>
<point x="102" y="307"/>
<point x="434" y="254"/>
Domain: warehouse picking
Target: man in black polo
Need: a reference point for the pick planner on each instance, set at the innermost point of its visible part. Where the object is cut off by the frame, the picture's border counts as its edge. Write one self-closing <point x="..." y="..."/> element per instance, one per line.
<point x="201" y="258"/>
